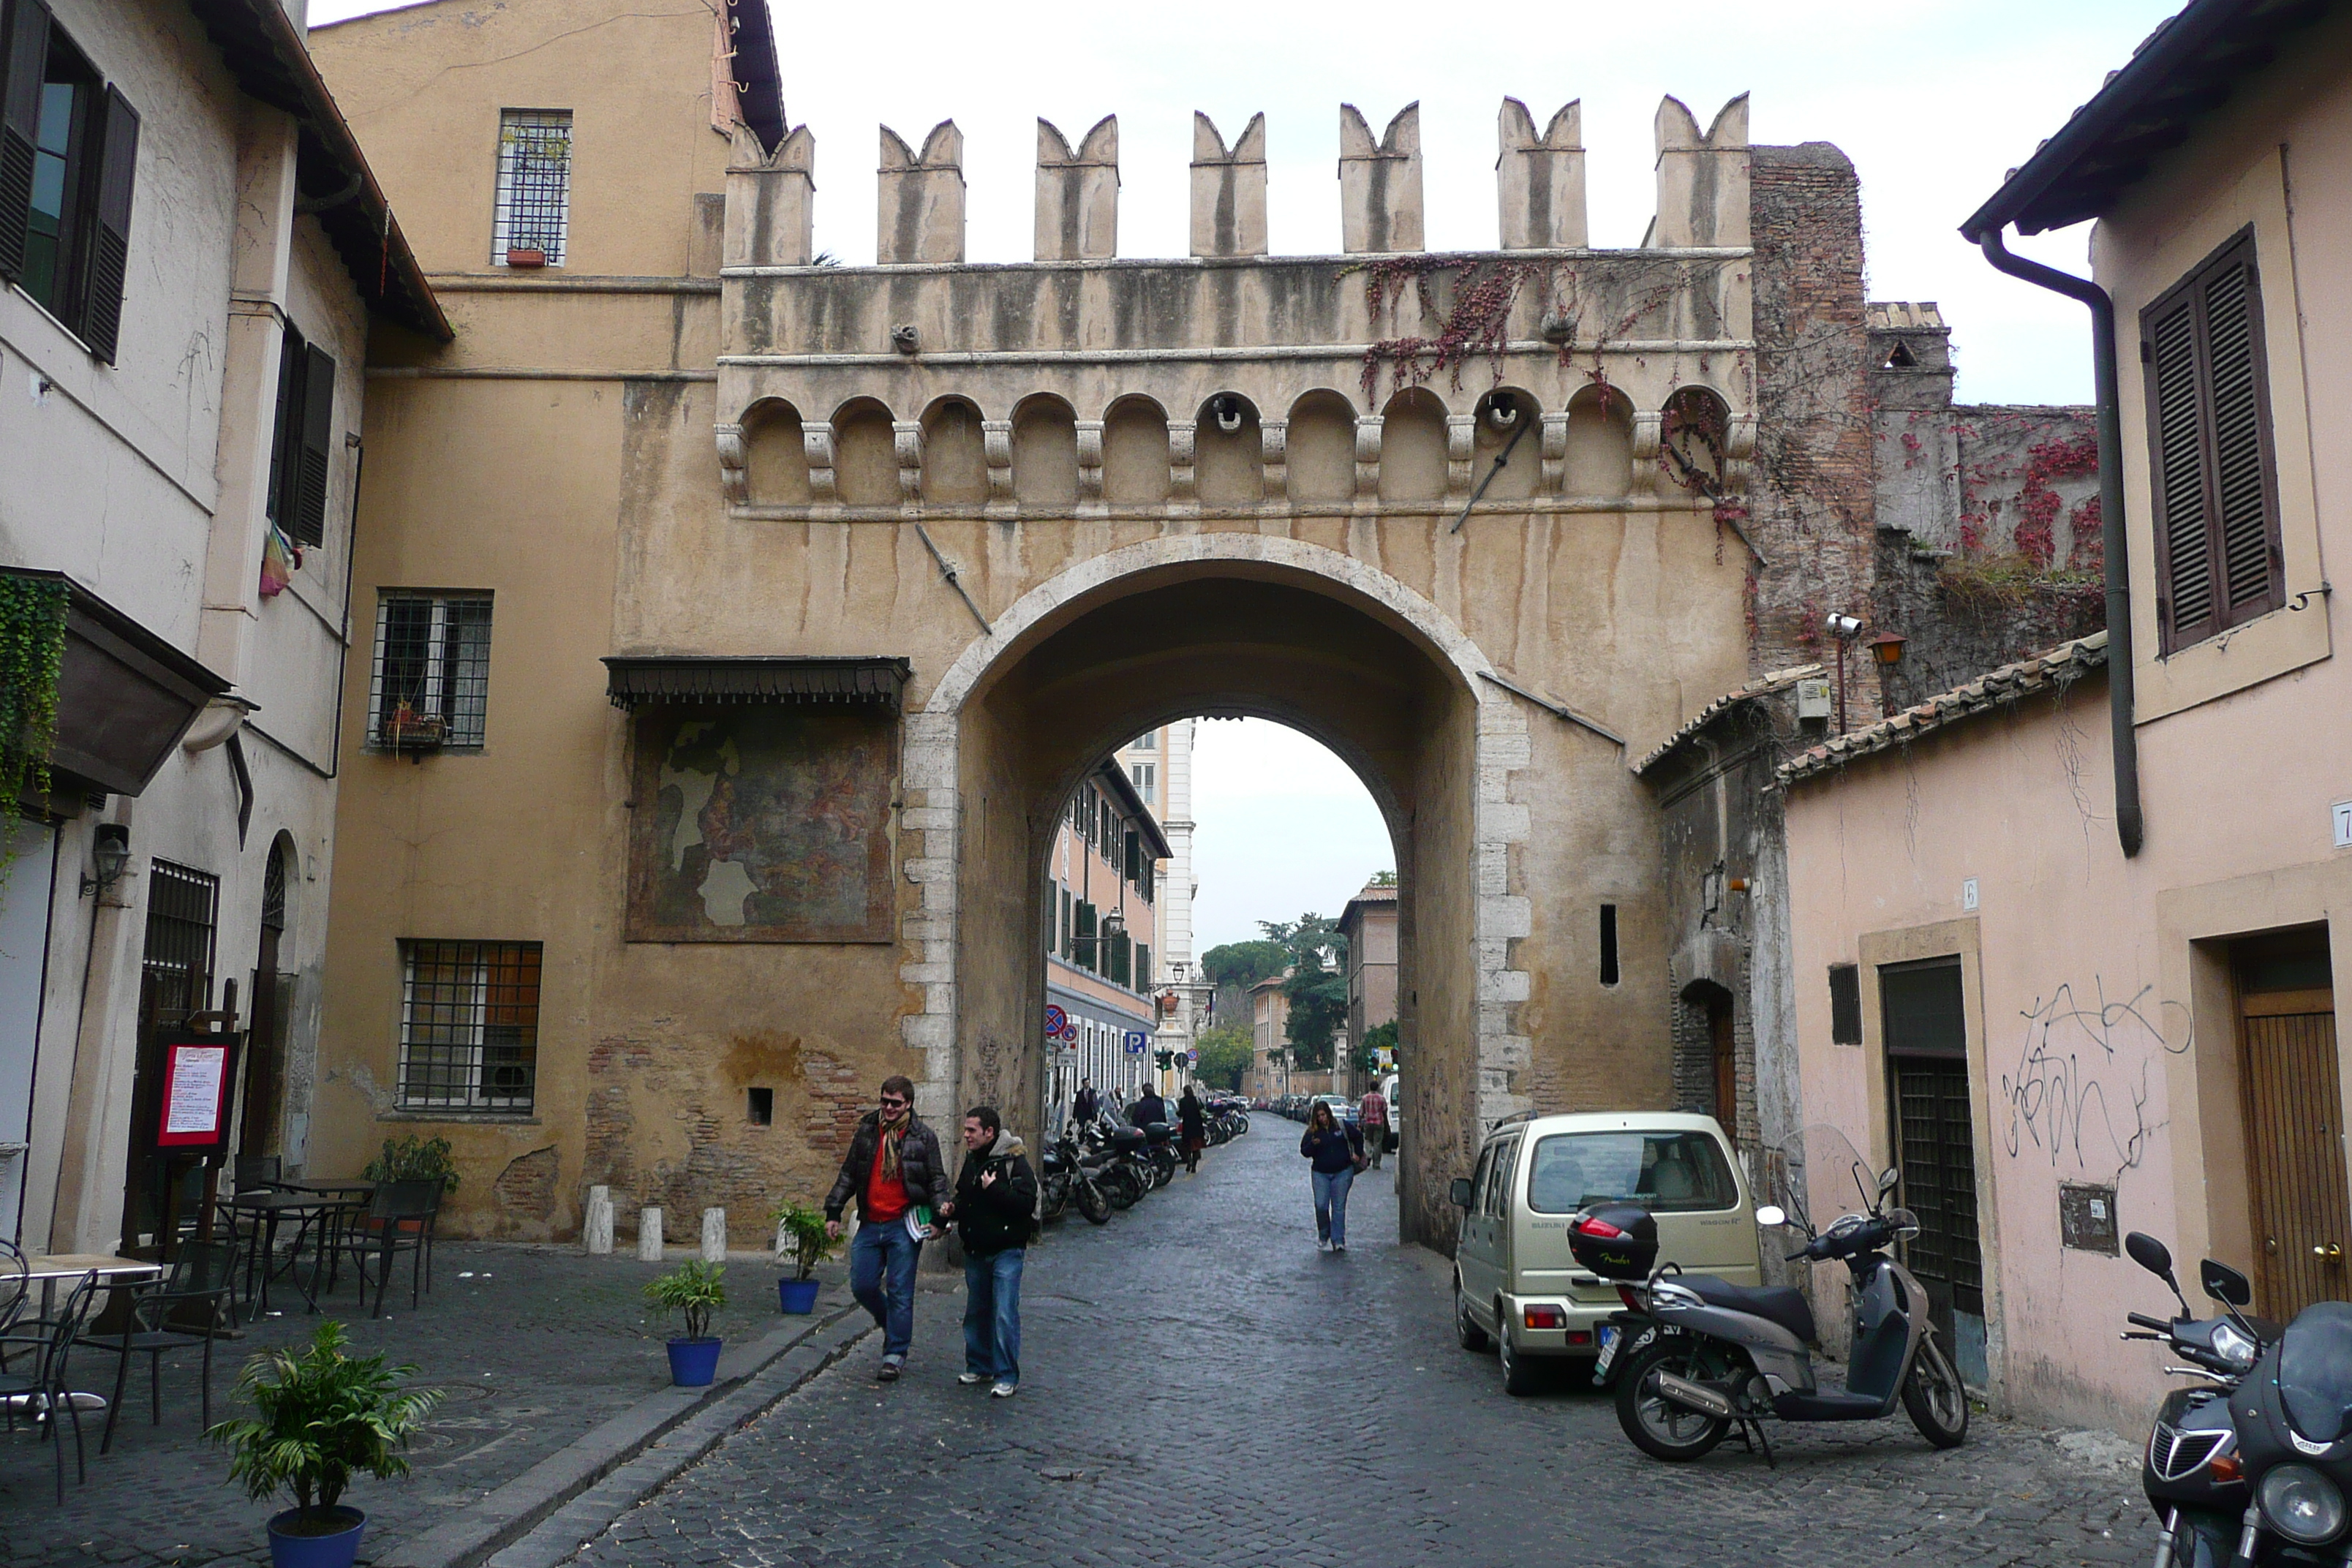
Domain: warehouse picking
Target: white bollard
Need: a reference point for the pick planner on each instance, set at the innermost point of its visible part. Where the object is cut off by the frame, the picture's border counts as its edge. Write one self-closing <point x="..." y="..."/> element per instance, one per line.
<point x="714" y="1236"/>
<point x="596" y="1228"/>
<point x="649" y="1242"/>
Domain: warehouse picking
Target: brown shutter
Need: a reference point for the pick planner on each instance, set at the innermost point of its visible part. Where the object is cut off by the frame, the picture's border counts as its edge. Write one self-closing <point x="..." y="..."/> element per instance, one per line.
<point x="308" y="524"/>
<point x="2183" y="526"/>
<point x="285" y="439"/>
<point x="117" y="148"/>
<point x="24" y="60"/>
<point x="2242" y="488"/>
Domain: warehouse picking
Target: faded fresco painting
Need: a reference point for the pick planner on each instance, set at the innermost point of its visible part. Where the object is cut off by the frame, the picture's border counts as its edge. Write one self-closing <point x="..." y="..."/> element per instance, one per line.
<point x="761" y="824"/>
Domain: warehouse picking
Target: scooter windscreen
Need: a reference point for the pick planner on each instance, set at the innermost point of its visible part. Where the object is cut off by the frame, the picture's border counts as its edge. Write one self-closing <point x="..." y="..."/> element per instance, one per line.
<point x="1819" y="1175"/>
<point x="2315" y="1372"/>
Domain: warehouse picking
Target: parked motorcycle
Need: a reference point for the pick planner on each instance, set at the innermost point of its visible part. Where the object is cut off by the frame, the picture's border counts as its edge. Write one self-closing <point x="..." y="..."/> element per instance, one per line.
<point x="2193" y="1472"/>
<point x="1159" y="1148"/>
<point x="1702" y="1356"/>
<point x="1126" y="1174"/>
<point x="2292" y="1414"/>
<point x="1065" y="1179"/>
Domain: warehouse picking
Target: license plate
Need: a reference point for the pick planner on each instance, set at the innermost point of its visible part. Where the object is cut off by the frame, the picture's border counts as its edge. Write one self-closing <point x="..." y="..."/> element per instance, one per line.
<point x="1609" y="1338"/>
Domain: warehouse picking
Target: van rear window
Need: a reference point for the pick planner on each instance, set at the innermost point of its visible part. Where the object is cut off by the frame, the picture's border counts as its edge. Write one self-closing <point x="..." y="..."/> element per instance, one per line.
<point x="1668" y="1173"/>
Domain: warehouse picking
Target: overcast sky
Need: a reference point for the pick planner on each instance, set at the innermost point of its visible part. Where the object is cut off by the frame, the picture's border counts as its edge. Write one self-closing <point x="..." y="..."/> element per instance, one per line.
<point x="1933" y="99"/>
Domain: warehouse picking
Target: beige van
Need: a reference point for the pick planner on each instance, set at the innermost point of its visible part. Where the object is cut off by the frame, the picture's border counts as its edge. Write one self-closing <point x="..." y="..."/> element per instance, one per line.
<point x="1516" y="1286"/>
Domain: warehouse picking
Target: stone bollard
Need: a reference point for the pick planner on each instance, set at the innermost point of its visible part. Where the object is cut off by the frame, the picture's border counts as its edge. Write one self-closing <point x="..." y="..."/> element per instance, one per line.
<point x="714" y="1236"/>
<point x="596" y="1230"/>
<point x="649" y="1242"/>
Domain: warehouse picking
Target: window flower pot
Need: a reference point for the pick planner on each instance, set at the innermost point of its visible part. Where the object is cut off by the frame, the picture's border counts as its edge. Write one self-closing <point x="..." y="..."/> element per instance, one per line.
<point x="798" y="1296"/>
<point x="526" y="255"/>
<point x="694" y="1363"/>
<point x="324" y="1538"/>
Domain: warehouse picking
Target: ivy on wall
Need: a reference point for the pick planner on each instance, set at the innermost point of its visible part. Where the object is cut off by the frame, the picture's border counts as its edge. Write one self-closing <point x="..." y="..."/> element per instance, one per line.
<point x="32" y="650"/>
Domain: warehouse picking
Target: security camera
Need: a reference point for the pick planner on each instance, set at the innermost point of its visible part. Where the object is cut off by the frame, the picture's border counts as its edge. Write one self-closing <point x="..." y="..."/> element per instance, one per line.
<point x="1845" y="628"/>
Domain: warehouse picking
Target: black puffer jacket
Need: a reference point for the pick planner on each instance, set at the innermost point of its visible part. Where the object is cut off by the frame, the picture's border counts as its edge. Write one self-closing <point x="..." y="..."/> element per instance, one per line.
<point x="919" y="1165"/>
<point x="1003" y="1214"/>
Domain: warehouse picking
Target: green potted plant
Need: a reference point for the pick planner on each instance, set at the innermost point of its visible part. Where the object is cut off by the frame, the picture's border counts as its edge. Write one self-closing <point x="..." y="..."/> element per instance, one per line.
<point x="801" y="1234"/>
<point x="319" y="1416"/>
<point x="415" y="1159"/>
<point x="694" y="1287"/>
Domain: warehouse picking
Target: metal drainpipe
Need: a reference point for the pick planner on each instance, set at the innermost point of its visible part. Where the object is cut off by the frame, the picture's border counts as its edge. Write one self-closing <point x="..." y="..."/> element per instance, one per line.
<point x="2129" y="825"/>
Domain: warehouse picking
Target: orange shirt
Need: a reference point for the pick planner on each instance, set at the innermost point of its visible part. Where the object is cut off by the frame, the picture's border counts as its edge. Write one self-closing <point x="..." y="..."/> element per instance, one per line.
<point x="886" y="1197"/>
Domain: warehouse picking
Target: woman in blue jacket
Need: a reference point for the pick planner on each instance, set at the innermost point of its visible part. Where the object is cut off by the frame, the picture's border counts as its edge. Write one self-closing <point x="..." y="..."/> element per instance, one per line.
<point x="1338" y="1152"/>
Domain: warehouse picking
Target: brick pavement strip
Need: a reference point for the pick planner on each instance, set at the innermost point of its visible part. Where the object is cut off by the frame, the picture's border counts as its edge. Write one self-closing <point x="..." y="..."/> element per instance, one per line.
<point x="1201" y="1387"/>
<point x="539" y="1350"/>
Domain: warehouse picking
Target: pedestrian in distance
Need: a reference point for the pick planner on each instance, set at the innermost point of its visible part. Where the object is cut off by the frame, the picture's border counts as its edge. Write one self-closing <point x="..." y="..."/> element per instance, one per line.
<point x="996" y="1210"/>
<point x="1149" y="1108"/>
<point x="1373" y="1113"/>
<point x="1087" y="1105"/>
<point x="1194" y="1122"/>
<point x="1337" y="1151"/>
<point x="895" y="1172"/>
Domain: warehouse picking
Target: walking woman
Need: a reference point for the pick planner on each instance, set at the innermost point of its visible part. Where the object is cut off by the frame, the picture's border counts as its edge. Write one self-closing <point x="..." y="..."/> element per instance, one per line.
<point x="1338" y="1152"/>
<point x="1192" y="1122"/>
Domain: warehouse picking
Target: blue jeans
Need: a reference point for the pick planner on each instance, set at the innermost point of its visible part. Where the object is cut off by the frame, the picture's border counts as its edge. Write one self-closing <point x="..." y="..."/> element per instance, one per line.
<point x="1331" y="1204"/>
<point x="991" y="1314"/>
<point x="882" y="1277"/>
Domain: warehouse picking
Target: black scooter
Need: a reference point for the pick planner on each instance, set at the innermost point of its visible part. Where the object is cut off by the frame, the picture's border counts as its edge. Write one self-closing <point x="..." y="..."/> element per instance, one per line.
<point x="2292" y="1414"/>
<point x="1065" y="1180"/>
<point x="1702" y="1357"/>
<point x="2192" y="1470"/>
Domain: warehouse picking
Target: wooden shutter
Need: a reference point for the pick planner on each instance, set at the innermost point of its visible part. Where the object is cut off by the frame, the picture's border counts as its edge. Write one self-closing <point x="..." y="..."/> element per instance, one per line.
<point x="2218" y="562"/>
<point x="24" y="60"/>
<point x="285" y="434"/>
<point x="308" y="524"/>
<point x="116" y="156"/>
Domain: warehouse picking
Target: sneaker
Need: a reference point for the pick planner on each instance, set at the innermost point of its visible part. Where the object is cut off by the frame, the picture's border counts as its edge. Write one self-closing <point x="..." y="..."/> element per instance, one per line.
<point x="889" y="1371"/>
<point x="1004" y="1390"/>
<point x="1339" y="1246"/>
<point x="1323" y="1245"/>
<point x="969" y="1378"/>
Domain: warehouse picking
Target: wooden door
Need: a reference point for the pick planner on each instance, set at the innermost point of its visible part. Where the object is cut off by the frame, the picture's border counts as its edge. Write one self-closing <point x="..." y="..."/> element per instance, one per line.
<point x="2294" y="1145"/>
<point x="1727" y="1065"/>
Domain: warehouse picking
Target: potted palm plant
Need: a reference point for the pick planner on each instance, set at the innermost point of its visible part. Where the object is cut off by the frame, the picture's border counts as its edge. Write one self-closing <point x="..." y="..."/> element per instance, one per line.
<point x="801" y="1234"/>
<point x="694" y="1288"/>
<point x="319" y="1417"/>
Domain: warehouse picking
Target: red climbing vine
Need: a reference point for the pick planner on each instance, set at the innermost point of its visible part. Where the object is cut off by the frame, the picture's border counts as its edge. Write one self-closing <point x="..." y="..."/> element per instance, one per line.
<point x="1476" y="325"/>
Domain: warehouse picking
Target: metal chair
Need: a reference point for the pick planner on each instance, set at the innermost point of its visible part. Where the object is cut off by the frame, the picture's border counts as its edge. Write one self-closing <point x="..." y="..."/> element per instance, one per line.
<point x="399" y="1218"/>
<point x="203" y="1277"/>
<point x="15" y="1291"/>
<point x="46" y="1382"/>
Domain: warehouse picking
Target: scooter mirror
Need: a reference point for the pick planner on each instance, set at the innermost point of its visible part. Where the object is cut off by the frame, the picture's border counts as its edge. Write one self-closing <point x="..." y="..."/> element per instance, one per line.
<point x="1459" y="1193"/>
<point x="1886" y="1180"/>
<point x="2225" y="1284"/>
<point x="2150" y="1254"/>
<point x="1771" y="1215"/>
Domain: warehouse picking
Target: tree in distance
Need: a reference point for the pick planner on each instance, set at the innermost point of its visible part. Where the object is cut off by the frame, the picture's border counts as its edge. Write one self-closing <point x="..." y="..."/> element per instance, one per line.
<point x="1224" y="1054"/>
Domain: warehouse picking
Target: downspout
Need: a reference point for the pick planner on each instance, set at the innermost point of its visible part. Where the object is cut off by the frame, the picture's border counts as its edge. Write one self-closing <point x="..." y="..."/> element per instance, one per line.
<point x="2124" y="742"/>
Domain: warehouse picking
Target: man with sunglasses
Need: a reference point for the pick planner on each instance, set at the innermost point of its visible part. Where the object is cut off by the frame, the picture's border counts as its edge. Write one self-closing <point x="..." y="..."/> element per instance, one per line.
<point x="893" y="1167"/>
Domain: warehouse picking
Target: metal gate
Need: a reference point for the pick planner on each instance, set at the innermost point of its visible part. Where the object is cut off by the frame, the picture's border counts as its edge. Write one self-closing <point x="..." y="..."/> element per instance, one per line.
<point x="1935" y="1147"/>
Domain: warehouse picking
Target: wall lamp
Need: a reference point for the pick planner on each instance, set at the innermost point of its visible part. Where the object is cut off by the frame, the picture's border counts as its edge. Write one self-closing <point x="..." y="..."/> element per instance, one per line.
<point x="110" y="855"/>
<point x="1886" y="647"/>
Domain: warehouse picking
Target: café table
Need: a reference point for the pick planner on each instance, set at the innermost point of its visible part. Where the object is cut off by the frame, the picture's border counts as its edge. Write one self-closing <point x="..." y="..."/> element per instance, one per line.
<point x="49" y="1270"/>
<point x="315" y="1208"/>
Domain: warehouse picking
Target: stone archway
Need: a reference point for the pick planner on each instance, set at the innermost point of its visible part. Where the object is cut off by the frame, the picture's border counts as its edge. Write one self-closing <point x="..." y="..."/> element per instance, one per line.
<point x="1239" y="624"/>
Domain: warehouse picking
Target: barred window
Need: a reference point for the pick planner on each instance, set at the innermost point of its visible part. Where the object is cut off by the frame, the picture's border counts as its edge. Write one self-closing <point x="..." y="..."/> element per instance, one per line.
<point x="429" y="690"/>
<point x="534" y="183"/>
<point x="468" y="1024"/>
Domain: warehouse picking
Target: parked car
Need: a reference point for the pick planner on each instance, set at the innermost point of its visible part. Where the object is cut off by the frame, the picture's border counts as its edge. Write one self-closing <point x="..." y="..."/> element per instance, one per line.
<point x="1516" y="1286"/>
<point x="1343" y="1110"/>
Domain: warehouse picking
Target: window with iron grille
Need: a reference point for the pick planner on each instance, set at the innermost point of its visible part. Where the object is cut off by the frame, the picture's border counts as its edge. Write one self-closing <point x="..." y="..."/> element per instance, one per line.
<point x="429" y="690"/>
<point x="2219" y="563"/>
<point x="534" y="183"/>
<point x="468" y="1025"/>
<point x="176" y="964"/>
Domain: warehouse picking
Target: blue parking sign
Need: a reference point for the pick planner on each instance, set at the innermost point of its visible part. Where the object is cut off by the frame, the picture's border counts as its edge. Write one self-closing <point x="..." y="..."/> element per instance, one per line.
<point x="1135" y="1039"/>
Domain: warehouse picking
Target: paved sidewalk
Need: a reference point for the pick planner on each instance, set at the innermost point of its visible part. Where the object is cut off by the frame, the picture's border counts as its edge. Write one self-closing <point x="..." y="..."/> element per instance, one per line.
<point x="1201" y="1388"/>
<point x="534" y="1348"/>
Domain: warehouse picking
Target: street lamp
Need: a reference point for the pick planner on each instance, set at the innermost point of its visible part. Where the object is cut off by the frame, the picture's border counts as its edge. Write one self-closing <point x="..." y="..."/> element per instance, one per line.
<point x="1842" y="629"/>
<point x="1886" y="647"/>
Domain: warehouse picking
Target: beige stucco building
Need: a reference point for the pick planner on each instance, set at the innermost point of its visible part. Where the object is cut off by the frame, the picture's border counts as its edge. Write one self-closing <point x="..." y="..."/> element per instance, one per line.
<point x="185" y="300"/>
<point x="1107" y="875"/>
<point x="816" y="591"/>
<point x="2121" y="994"/>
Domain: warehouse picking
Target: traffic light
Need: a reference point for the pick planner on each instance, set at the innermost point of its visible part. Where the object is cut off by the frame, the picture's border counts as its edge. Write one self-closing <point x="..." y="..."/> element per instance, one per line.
<point x="1166" y="1058"/>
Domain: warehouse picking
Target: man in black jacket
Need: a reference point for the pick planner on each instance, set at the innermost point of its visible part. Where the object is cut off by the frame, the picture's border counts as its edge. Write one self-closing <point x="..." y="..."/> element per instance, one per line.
<point x="893" y="1169"/>
<point x="995" y="1209"/>
<point x="1149" y="1108"/>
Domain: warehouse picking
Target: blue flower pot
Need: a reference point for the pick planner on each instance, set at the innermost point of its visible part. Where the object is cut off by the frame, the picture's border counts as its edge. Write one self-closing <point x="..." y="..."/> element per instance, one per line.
<point x="798" y="1296"/>
<point x="694" y="1363"/>
<point x="337" y="1550"/>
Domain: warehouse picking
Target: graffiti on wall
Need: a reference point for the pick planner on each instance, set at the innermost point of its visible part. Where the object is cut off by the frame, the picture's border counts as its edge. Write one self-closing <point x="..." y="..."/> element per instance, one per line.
<point x="2079" y="1090"/>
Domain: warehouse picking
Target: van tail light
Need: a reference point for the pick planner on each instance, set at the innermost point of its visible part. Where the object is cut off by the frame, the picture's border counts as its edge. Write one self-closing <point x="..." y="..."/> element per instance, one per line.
<point x="1544" y="1318"/>
<point x="1625" y="1294"/>
<point x="1580" y="1336"/>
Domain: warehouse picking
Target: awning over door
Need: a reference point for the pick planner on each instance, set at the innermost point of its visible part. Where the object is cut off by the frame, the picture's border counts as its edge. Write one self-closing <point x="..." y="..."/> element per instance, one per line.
<point x="857" y="681"/>
<point x="124" y="694"/>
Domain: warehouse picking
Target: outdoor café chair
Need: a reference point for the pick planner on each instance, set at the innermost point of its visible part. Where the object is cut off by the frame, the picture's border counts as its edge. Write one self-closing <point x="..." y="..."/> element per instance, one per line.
<point x="398" y="1218"/>
<point x="15" y="1291"/>
<point x="187" y="1309"/>
<point x="46" y="1383"/>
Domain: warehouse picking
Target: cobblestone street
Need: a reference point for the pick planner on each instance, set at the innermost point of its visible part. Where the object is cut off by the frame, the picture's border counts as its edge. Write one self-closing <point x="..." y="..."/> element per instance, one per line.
<point x="1201" y="1387"/>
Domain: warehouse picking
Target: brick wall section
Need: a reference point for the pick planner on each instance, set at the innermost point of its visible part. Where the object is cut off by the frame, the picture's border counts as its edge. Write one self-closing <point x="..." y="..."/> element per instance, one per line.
<point x="1811" y="501"/>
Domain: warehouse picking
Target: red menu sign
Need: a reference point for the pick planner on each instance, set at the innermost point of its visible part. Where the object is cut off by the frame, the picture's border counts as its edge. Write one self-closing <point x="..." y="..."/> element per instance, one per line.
<point x="196" y="1093"/>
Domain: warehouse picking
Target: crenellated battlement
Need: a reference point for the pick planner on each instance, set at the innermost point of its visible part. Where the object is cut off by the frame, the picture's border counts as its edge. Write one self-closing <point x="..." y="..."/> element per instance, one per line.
<point x="1234" y="380"/>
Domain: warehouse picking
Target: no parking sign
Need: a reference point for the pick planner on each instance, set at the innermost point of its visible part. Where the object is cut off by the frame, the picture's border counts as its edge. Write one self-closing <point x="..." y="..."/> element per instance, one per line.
<point x="1057" y="1023"/>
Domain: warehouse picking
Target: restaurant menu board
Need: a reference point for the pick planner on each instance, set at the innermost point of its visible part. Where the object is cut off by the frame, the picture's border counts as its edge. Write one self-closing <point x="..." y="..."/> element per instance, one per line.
<point x="196" y="1085"/>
